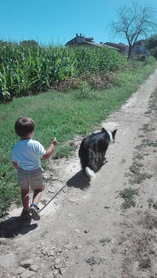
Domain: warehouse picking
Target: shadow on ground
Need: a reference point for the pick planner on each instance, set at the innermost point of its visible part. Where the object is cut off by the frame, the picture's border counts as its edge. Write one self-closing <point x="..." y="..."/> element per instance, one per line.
<point x="14" y="226"/>
<point x="78" y="181"/>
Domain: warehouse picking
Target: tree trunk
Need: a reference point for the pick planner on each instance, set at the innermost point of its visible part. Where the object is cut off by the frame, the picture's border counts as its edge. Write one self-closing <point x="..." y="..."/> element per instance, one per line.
<point x="129" y="52"/>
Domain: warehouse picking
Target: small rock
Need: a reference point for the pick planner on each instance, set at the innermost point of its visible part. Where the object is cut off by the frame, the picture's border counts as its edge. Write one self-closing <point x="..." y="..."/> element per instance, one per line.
<point x="57" y="261"/>
<point x="44" y="251"/>
<point x="62" y="270"/>
<point x="55" y="272"/>
<point x="27" y="274"/>
<point x="38" y="246"/>
<point x="51" y="190"/>
<point x="33" y="268"/>
<point x="47" y="175"/>
<point x="52" y="253"/>
<point x="26" y="263"/>
<point x="57" y="186"/>
<point x="19" y="270"/>
<point x="73" y="200"/>
<point x="6" y="261"/>
<point x="3" y="241"/>
<point x="55" y="179"/>
<point x="78" y="246"/>
<point x="49" y="275"/>
<point x="57" y="266"/>
<point x="67" y="246"/>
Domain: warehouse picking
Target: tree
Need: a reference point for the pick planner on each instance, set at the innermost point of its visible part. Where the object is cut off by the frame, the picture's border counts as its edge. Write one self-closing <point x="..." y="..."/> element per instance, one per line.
<point x="134" y="22"/>
<point x="31" y="43"/>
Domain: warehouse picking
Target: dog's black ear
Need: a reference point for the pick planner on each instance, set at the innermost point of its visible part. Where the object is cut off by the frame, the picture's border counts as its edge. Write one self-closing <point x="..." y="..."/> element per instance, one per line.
<point x="114" y="133"/>
<point x="103" y="129"/>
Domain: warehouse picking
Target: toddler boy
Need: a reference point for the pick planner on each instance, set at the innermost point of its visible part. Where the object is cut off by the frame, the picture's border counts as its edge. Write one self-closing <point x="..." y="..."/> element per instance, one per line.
<point x="26" y="155"/>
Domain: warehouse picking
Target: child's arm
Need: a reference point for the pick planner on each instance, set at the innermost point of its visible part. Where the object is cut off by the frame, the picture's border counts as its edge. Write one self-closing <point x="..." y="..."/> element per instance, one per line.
<point x="15" y="164"/>
<point x="50" y="149"/>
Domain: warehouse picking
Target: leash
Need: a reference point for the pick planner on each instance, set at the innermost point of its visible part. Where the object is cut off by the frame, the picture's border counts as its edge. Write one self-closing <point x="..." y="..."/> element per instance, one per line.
<point x="52" y="198"/>
<point x="61" y="143"/>
<point x="65" y="142"/>
<point x="70" y="142"/>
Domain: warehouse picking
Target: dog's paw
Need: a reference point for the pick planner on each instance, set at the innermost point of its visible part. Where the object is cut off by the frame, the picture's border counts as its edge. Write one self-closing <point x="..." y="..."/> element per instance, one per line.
<point x="88" y="179"/>
<point x="105" y="161"/>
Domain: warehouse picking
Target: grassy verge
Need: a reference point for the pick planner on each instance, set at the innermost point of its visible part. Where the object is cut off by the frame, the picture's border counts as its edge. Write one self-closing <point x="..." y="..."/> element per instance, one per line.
<point x="76" y="112"/>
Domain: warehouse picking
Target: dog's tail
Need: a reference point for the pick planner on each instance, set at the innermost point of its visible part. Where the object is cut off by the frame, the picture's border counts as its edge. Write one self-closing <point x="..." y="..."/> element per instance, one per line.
<point x="89" y="172"/>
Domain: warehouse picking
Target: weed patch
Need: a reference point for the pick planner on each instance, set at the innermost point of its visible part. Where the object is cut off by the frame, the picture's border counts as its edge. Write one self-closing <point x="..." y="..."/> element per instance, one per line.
<point x="148" y="221"/>
<point x="145" y="263"/>
<point x="139" y="156"/>
<point x="128" y="194"/>
<point x="93" y="260"/>
<point x="139" y="178"/>
<point x="134" y="168"/>
<point x="103" y="241"/>
<point x="86" y="92"/>
<point x="136" y="177"/>
<point x="155" y="205"/>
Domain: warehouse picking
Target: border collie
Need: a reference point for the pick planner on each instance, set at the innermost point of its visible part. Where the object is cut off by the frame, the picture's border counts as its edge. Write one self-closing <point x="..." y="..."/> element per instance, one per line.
<point x="93" y="149"/>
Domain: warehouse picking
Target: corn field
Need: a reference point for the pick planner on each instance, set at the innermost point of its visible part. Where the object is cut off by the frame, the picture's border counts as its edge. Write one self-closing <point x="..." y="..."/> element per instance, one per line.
<point x="28" y="69"/>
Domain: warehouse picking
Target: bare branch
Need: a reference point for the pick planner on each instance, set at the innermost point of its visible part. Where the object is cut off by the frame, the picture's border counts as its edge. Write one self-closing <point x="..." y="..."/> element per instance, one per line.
<point x="134" y="22"/>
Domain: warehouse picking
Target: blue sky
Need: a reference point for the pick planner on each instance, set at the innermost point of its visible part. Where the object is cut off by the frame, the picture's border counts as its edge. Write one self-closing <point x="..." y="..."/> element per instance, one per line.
<point x="58" y="21"/>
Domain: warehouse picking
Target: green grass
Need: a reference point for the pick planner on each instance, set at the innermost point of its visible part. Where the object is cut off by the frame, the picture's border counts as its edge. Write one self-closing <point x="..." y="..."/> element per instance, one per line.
<point x="76" y="112"/>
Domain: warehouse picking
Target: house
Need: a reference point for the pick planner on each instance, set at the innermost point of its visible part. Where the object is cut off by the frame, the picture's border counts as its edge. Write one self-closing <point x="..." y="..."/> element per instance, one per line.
<point x="89" y="41"/>
<point x="84" y="41"/>
<point x="139" y="48"/>
<point x="122" y="48"/>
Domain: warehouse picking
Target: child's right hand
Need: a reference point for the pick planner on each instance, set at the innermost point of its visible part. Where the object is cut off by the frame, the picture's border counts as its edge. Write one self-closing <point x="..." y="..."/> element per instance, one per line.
<point x="54" y="141"/>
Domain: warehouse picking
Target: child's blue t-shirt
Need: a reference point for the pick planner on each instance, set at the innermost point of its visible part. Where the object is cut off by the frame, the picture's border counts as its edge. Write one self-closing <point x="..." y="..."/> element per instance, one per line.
<point x="27" y="153"/>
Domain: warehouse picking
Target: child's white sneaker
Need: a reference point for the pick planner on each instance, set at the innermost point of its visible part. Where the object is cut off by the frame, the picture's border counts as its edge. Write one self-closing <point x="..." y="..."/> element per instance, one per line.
<point x="34" y="211"/>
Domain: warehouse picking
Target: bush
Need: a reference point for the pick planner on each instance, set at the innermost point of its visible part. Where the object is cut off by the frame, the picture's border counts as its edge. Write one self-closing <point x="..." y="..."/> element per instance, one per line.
<point x="151" y="45"/>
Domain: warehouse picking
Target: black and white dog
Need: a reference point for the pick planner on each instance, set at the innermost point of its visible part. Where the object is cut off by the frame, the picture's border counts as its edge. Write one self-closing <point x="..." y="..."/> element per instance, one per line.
<point x="93" y="149"/>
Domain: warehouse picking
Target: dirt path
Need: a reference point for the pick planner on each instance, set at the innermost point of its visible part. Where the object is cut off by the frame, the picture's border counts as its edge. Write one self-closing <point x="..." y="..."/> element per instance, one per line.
<point x="90" y="231"/>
